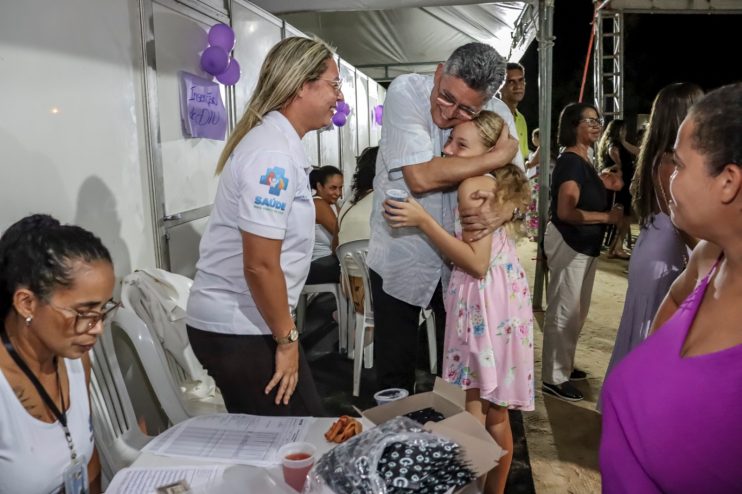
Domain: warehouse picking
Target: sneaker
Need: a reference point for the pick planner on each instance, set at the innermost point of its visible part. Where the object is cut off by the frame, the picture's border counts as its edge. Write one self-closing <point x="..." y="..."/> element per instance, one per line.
<point x="578" y="375"/>
<point x="564" y="391"/>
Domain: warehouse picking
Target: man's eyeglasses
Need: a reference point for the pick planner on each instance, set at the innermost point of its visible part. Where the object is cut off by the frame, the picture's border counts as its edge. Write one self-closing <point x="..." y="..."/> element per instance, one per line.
<point x="337" y="84"/>
<point x="592" y="122"/>
<point x="463" y="112"/>
<point x="85" y="321"/>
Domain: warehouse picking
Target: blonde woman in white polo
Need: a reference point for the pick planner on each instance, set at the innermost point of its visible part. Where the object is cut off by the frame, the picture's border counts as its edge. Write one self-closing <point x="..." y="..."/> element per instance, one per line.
<point x="255" y="253"/>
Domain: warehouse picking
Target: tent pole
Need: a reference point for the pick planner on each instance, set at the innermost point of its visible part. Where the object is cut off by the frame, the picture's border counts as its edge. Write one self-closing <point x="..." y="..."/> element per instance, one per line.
<point x="545" y="48"/>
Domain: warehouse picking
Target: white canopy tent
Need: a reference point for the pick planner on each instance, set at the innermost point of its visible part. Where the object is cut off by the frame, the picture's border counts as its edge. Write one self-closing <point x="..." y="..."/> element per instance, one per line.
<point x="386" y="39"/>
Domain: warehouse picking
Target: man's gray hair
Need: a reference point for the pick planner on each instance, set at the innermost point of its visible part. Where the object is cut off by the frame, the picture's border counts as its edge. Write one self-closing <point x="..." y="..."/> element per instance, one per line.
<point x="479" y="66"/>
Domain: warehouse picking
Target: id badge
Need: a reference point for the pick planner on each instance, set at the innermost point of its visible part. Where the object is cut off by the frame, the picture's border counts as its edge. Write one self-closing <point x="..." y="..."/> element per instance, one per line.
<point x="75" y="477"/>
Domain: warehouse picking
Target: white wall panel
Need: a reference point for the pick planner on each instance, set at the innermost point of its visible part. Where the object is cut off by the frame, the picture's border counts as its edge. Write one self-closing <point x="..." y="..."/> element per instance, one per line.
<point x="72" y="131"/>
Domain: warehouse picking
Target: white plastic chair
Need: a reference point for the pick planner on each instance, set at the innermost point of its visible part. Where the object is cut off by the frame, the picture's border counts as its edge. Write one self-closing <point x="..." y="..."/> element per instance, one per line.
<point x="117" y="435"/>
<point x="340" y="301"/>
<point x="352" y="256"/>
<point x="152" y="316"/>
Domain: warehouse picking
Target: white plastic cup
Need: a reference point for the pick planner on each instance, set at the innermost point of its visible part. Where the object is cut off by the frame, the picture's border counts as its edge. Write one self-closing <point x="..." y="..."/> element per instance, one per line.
<point x="397" y="194"/>
<point x="297" y="459"/>
<point x="391" y="394"/>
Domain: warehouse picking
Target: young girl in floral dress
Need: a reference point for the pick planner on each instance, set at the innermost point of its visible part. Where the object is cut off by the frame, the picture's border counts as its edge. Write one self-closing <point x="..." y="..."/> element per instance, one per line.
<point x="489" y="322"/>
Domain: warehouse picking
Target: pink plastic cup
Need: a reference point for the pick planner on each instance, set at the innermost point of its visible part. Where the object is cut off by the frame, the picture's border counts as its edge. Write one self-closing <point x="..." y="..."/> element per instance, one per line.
<point x="297" y="459"/>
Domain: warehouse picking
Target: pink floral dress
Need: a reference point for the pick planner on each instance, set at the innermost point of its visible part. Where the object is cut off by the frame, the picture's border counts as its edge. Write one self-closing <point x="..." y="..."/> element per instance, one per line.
<point x="489" y="329"/>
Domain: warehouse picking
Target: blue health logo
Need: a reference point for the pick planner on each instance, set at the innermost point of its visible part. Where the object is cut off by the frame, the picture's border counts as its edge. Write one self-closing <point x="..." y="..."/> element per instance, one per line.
<point x="275" y="179"/>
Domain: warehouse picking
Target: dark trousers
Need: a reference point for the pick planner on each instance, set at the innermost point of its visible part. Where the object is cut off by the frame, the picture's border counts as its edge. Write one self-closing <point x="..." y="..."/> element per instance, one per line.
<point x="396" y="325"/>
<point x="243" y="365"/>
<point x="324" y="270"/>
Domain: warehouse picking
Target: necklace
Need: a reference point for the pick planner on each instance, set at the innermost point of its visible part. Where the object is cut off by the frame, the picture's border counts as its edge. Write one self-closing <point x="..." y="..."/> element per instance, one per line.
<point x="683" y="247"/>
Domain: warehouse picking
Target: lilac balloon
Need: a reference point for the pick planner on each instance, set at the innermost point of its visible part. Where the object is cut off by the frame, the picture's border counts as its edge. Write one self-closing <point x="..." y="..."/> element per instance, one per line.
<point x="346" y="108"/>
<point x="378" y="114"/>
<point x="214" y="60"/>
<point x="340" y="106"/>
<point x="230" y="76"/>
<point x="222" y="36"/>
<point x="339" y="119"/>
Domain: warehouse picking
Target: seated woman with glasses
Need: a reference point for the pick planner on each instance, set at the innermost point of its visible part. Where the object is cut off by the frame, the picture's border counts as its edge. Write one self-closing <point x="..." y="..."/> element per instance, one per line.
<point x="56" y="283"/>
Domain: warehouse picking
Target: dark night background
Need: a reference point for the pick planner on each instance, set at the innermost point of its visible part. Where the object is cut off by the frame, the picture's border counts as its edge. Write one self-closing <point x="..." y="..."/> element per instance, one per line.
<point x="659" y="49"/>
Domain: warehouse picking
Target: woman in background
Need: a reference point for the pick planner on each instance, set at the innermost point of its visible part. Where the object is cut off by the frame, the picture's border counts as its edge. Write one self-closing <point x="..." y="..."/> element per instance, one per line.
<point x="254" y="255"/>
<point x="615" y="152"/>
<point x="661" y="251"/>
<point x="327" y="181"/>
<point x="56" y="283"/>
<point x="671" y="407"/>
<point x="355" y="216"/>
<point x="579" y="213"/>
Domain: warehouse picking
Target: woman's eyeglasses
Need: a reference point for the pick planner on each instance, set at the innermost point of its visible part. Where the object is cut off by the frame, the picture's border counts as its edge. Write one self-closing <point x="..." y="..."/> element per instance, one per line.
<point x="85" y="321"/>
<point x="592" y="122"/>
<point x="337" y="84"/>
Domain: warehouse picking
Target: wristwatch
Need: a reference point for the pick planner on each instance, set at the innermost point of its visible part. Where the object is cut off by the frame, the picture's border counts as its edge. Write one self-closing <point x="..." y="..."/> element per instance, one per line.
<point x="289" y="338"/>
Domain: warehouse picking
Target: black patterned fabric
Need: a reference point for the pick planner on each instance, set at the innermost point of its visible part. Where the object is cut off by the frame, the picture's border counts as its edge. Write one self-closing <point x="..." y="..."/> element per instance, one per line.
<point x="425" y="415"/>
<point x="397" y="456"/>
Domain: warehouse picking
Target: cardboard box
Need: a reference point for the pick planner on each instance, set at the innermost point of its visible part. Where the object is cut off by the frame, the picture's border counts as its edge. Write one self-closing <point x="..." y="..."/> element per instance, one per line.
<point x="460" y="426"/>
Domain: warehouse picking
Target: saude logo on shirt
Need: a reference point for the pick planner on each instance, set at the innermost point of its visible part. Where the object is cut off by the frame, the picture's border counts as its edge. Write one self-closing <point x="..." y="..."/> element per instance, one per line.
<point x="275" y="179"/>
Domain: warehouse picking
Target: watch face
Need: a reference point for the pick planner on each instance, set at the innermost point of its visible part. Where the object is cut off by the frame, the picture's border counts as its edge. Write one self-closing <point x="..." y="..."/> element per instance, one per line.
<point x="293" y="335"/>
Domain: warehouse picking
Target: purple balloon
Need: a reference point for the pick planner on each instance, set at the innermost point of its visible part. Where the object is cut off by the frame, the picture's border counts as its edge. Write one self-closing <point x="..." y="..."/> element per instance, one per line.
<point x="339" y="119"/>
<point x="340" y="106"/>
<point x="214" y="60"/>
<point x="346" y="108"/>
<point x="222" y="36"/>
<point x="230" y="76"/>
<point x="378" y="114"/>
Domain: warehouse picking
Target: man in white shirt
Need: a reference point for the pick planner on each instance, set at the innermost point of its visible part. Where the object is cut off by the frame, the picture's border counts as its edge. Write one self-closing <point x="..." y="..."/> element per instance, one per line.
<point x="406" y="270"/>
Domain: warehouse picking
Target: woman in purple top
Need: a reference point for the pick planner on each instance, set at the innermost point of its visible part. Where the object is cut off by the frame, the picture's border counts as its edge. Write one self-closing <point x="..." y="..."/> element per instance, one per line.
<point x="671" y="419"/>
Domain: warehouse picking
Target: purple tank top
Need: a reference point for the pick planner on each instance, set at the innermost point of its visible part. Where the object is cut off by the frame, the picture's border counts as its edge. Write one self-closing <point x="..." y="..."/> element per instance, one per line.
<point x="672" y="423"/>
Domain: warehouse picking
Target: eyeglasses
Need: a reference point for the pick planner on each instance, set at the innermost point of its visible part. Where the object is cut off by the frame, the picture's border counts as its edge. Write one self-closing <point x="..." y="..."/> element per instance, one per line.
<point x="463" y="112"/>
<point x="85" y="321"/>
<point x="337" y="84"/>
<point x="592" y="122"/>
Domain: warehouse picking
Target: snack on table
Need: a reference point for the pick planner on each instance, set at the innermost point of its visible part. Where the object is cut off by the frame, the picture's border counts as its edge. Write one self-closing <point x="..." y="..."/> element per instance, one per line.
<point x="343" y="429"/>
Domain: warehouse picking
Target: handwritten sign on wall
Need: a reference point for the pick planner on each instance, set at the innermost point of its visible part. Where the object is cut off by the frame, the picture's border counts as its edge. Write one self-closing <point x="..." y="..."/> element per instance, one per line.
<point x="202" y="111"/>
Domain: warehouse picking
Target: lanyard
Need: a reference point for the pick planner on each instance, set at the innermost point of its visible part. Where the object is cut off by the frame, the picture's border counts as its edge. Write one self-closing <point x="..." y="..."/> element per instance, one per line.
<point x="61" y="416"/>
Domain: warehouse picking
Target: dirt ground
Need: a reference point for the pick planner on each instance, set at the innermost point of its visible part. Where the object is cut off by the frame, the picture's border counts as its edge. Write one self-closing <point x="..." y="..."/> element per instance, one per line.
<point x="563" y="438"/>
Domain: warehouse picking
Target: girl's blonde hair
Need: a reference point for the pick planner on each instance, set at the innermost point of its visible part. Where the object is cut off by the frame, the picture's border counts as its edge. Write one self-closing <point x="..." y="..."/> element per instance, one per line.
<point x="512" y="183"/>
<point x="288" y="65"/>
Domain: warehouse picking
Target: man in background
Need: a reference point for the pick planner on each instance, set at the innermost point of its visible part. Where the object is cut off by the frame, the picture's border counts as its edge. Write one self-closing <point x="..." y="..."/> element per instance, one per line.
<point x="512" y="92"/>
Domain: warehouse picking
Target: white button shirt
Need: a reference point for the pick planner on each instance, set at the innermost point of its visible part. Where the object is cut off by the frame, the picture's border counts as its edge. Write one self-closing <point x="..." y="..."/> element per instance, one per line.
<point x="408" y="263"/>
<point x="263" y="190"/>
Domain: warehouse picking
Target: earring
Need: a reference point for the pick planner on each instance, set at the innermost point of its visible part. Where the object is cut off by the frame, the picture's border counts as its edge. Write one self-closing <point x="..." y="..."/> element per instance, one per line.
<point x="28" y="320"/>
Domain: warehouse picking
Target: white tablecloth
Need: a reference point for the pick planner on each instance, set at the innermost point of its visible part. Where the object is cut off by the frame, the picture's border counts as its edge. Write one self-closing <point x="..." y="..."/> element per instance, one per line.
<point x="246" y="479"/>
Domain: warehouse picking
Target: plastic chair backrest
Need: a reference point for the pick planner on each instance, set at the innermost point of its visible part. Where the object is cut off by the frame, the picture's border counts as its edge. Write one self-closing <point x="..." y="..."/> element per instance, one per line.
<point x="117" y="435"/>
<point x="159" y="299"/>
<point x="154" y="363"/>
<point x="352" y="257"/>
